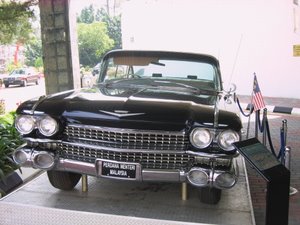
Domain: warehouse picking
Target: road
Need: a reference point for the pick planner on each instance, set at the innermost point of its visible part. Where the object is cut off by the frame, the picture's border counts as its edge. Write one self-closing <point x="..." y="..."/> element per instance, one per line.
<point x="14" y="95"/>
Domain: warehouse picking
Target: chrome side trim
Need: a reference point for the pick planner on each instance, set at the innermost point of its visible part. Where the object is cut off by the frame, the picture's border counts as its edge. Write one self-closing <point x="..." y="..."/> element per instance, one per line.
<point x="40" y="100"/>
<point x="202" y="154"/>
<point x="216" y="112"/>
<point x="212" y="155"/>
<point x="76" y="167"/>
<point x="41" y="140"/>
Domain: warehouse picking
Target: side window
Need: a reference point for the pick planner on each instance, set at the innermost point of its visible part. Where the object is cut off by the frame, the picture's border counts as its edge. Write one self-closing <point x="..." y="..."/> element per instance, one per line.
<point x="116" y="72"/>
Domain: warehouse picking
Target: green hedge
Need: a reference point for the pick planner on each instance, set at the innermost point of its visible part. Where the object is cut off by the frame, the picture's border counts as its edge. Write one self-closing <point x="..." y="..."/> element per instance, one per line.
<point x="9" y="141"/>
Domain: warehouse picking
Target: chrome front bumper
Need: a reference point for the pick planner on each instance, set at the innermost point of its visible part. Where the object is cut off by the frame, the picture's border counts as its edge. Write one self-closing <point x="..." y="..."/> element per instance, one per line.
<point x="195" y="175"/>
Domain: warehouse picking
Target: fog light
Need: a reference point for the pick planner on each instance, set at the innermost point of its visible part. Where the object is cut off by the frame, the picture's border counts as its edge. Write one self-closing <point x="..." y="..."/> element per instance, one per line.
<point x="43" y="160"/>
<point x="225" y="180"/>
<point x="20" y="157"/>
<point x="198" y="177"/>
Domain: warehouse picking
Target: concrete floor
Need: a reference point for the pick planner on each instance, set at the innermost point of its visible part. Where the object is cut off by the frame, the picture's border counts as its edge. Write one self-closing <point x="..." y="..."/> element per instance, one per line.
<point x="133" y="201"/>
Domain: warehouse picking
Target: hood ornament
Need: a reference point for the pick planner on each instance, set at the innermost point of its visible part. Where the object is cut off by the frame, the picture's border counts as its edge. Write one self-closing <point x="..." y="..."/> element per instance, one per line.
<point x="121" y="113"/>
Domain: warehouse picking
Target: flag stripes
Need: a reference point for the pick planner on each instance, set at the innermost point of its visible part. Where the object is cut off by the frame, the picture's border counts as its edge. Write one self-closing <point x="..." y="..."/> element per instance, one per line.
<point x="257" y="98"/>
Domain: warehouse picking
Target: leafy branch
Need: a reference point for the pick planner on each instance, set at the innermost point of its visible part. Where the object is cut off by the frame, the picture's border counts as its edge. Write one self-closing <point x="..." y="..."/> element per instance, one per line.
<point x="15" y="20"/>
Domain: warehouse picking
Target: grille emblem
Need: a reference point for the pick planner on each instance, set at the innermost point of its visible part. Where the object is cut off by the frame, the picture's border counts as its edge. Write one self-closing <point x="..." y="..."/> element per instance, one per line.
<point x="121" y="113"/>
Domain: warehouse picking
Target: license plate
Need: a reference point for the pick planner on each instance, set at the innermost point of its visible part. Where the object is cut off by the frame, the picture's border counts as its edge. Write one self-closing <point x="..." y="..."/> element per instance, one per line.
<point x="121" y="170"/>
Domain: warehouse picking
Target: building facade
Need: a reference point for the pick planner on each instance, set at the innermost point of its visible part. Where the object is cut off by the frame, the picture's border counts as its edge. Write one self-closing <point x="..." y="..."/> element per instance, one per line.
<point x="247" y="36"/>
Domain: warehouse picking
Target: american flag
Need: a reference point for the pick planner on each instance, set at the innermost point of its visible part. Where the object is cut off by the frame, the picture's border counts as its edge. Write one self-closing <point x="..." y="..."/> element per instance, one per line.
<point x="257" y="99"/>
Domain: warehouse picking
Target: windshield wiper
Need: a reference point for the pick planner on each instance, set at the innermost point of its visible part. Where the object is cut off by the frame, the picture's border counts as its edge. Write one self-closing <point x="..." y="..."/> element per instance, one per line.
<point x="186" y="86"/>
<point x="194" y="89"/>
<point x="131" y="82"/>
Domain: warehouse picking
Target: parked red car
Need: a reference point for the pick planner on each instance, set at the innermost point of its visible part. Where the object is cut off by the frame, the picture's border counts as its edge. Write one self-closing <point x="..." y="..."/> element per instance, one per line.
<point x="22" y="77"/>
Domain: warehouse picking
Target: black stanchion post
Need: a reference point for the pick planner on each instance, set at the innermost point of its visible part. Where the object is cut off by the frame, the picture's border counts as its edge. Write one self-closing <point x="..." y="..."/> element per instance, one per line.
<point x="264" y="122"/>
<point x="256" y="123"/>
<point x="284" y="142"/>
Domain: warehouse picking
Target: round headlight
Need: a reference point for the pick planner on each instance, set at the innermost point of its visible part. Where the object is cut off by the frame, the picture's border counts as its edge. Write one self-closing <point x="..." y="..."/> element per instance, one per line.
<point x="226" y="138"/>
<point x="48" y="126"/>
<point x="25" y="124"/>
<point x="200" y="138"/>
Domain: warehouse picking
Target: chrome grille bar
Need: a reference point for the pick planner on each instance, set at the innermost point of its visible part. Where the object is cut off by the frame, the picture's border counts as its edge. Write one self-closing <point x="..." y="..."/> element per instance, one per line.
<point x="128" y="138"/>
<point x="146" y="159"/>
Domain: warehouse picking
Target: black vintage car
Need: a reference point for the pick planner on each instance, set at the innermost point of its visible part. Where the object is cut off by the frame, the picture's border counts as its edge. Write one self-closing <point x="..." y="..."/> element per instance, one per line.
<point x="153" y="116"/>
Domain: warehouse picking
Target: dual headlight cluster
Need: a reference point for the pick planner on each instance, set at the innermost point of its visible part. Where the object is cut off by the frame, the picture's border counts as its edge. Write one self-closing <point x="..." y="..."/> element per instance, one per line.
<point x="202" y="138"/>
<point x="46" y="125"/>
<point x="199" y="137"/>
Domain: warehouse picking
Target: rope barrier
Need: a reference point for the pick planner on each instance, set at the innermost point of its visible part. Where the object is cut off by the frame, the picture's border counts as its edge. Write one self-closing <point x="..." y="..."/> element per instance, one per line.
<point x="284" y="154"/>
<point x="241" y="110"/>
<point x="263" y="125"/>
<point x="282" y="147"/>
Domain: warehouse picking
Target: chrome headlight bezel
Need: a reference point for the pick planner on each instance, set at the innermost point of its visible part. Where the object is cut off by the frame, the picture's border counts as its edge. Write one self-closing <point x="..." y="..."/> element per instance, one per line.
<point x="201" y="137"/>
<point x="226" y="138"/>
<point x="48" y="126"/>
<point x="25" y="124"/>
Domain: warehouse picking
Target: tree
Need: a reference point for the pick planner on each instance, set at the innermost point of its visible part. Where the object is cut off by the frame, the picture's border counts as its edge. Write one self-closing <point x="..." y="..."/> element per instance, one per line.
<point x="15" y="20"/>
<point x="86" y="15"/>
<point x="113" y="25"/>
<point x="93" y="42"/>
<point x="33" y="53"/>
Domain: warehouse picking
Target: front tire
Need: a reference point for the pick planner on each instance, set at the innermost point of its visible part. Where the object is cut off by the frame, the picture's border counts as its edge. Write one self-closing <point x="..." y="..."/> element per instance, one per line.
<point x="210" y="195"/>
<point x="24" y="83"/>
<point x="63" y="180"/>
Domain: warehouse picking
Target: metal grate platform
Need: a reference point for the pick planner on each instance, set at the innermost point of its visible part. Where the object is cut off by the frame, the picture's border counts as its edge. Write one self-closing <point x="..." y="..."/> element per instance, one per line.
<point x="122" y="202"/>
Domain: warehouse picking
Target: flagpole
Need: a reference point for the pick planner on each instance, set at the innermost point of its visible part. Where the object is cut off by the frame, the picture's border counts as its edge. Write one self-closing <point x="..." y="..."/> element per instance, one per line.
<point x="257" y="103"/>
<point x="251" y="108"/>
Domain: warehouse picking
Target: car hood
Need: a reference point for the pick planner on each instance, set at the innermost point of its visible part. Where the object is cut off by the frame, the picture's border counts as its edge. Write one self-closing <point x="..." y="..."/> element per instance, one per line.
<point x="15" y="76"/>
<point x="137" y="108"/>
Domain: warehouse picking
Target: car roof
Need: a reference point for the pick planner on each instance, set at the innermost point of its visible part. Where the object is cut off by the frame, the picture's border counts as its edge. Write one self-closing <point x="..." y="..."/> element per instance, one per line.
<point x="173" y="54"/>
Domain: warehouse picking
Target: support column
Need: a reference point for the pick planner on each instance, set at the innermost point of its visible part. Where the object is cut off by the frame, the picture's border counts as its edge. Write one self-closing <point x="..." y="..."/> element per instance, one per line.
<point x="60" y="50"/>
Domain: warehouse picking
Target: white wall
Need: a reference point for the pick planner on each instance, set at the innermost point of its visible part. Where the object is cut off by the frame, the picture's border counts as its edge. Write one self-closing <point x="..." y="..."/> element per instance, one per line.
<point x="246" y="35"/>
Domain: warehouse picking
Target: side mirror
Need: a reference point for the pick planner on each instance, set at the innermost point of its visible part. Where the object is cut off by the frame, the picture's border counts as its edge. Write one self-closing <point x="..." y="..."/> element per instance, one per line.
<point x="232" y="88"/>
<point x="230" y="94"/>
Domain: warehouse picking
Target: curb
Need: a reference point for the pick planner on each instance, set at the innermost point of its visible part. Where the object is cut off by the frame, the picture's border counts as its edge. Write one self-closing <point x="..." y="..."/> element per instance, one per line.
<point x="276" y="109"/>
<point x="27" y="174"/>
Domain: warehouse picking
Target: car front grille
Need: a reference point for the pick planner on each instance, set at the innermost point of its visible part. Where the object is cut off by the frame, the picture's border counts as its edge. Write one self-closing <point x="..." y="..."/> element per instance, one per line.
<point x="128" y="138"/>
<point x="146" y="159"/>
<point x="89" y="143"/>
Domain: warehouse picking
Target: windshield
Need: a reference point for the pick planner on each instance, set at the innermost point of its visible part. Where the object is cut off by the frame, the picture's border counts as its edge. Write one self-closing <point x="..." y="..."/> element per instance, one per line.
<point x="192" y="73"/>
<point x="17" y="71"/>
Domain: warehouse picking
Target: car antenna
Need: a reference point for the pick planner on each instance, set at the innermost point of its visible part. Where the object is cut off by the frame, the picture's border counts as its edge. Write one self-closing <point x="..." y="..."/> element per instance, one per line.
<point x="235" y="60"/>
